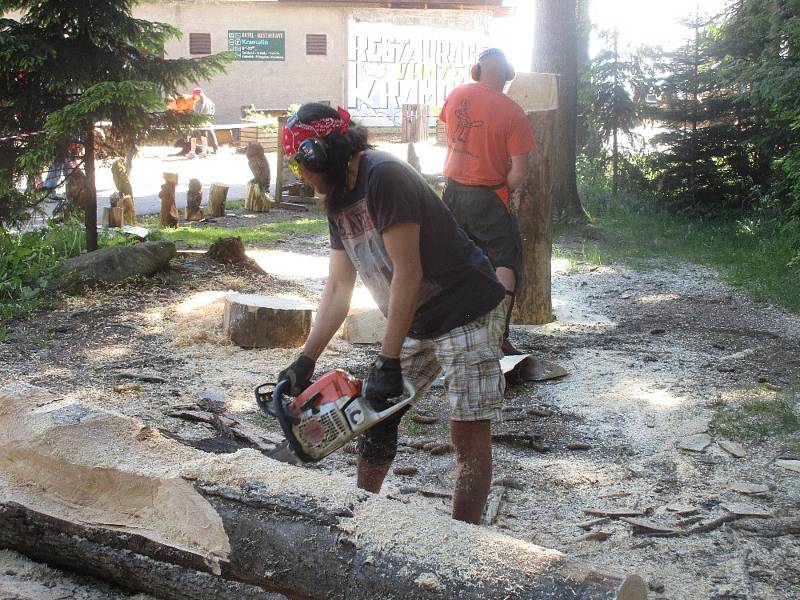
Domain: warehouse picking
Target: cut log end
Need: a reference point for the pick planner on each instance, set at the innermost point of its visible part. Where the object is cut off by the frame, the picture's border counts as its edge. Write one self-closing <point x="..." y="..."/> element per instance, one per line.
<point x="252" y="321"/>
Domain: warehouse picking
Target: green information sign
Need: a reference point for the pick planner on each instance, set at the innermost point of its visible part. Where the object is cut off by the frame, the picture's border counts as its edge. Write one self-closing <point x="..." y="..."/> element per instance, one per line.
<point x="254" y="44"/>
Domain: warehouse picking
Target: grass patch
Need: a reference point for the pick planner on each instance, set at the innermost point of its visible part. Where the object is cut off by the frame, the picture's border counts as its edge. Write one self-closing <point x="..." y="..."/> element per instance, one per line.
<point x="763" y="416"/>
<point x="29" y="262"/>
<point x="757" y="255"/>
<point x="253" y="236"/>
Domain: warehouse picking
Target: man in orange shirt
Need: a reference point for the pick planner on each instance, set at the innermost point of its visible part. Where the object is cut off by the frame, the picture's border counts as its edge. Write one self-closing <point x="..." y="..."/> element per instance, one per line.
<point x="488" y="141"/>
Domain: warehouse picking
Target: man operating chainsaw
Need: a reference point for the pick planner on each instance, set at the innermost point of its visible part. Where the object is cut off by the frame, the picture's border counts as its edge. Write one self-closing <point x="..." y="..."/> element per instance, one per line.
<point x="444" y="305"/>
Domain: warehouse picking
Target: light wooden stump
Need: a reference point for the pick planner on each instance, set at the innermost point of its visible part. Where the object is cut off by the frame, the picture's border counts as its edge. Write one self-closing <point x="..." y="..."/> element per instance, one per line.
<point x="169" y="212"/>
<point x="106" y="495"/>
<point x="255" y="200"/>
<point x="364" y="326"/>
<point x="112" y="216"/>
<point x="252" y="321"/>
<point x="216" y="199"/>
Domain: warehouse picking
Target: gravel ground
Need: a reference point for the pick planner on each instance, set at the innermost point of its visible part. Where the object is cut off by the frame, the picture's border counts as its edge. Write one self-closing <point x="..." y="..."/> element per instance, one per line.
<point x="650" y="354"/>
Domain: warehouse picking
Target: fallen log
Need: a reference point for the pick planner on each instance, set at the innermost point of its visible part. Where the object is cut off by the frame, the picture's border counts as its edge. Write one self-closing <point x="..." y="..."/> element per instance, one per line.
<point x="103" y="494"/>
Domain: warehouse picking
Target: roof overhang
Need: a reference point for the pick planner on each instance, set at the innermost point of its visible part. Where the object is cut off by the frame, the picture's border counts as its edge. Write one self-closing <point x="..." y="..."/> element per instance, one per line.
<point x="496" y="6"/>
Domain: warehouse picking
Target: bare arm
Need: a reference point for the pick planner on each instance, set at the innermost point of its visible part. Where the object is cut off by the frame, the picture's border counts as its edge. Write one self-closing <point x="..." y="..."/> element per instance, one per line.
<point x="333" y="305"/>
<point x="518" y="172"/>
<point x="402" y="245"/>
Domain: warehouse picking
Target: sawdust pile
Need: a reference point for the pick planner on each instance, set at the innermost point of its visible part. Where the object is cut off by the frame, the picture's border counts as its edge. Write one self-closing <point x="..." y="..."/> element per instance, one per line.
<point x="198" y="319"/>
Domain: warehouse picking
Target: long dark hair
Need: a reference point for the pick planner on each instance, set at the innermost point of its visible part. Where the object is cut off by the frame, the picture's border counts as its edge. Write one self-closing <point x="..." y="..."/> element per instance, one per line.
<point x="340" y="148"/>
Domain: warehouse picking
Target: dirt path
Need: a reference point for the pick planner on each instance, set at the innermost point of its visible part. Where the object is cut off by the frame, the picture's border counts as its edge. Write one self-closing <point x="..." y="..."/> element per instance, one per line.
<point x="651" y="353"/>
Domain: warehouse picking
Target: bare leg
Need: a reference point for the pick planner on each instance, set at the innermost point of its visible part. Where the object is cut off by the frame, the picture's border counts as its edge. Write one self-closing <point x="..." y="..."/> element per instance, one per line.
<point x="473" y="445"/>
<point x="192" y="145"/>
<point x="204" y="142"/>
<point x="370" y="477"/>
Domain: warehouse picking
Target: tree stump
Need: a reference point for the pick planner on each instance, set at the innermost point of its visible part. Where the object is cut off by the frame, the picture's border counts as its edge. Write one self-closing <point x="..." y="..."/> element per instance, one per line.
<point x="537" y="93"/>
<point x="227" y="250"/>
<point x="364" y="326"/>
<point x="106" y="495"/>
<point x="252" y="321"/>
<point x="112" y="216"/>
<point x="194" y="198"/>
<point x="216" y="199"/>
<point x="255" y="199"/>
<point x="169" y="212"/>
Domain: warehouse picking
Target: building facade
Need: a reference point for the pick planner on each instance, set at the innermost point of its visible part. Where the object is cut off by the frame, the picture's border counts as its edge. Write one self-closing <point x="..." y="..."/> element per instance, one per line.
<point x="371" y="57"/>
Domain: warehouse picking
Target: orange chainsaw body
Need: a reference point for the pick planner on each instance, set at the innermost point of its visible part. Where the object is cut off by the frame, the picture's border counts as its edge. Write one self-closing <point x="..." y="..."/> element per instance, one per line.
<point x="330" y="387"/>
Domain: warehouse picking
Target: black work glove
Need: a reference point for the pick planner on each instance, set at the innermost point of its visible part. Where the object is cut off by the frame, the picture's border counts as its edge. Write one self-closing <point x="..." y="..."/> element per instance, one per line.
<point x="385" y="381"/>
<point x="299" y="374"/>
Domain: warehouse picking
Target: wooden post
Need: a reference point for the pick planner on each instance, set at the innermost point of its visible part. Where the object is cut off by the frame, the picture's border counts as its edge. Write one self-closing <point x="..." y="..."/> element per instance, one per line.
<point x="252" y="321"/>
<point x="194" y="198"/>
<point x="216" y="199"/>
<point x="123" y="185"/>
<point x="112" y="216"/>
<point x="280" y="162"/>
<point x="532" y="202"/>
<point x="255" y="200"/>
<point x="169" y="212"/>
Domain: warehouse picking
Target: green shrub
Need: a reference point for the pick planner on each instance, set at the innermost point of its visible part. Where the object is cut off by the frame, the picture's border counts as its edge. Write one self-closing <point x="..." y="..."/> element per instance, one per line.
<point x="30" y="260"/>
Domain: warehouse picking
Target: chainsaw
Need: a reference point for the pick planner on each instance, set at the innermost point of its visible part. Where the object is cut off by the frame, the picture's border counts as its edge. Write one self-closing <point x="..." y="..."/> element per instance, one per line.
<point x="328" y="414"/>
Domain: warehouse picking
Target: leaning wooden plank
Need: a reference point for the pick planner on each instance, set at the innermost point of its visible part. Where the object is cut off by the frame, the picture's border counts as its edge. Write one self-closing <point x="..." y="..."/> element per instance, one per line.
<point x="101" y="493"/>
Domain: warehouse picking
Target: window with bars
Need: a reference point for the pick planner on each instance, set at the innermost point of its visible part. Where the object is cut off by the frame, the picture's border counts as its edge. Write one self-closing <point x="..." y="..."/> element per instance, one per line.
<point x="317" y="44"/>
<point x="199" y="43"/>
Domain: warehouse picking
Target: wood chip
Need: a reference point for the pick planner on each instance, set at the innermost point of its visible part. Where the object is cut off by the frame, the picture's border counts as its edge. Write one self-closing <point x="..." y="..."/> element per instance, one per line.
<point x="595" y="536"/>
<point x="405" y="470"/>
<point x="746" y="510"/>
<point x="732" y="448"/>
<point x="428" y="446"/>
<point x="424" y="419"/>
<point x="420" y="444"/>
<point x="647" y="526"/>
<point x="792" y="465"/>
<point x="614" y="512"/>
<point x="200" y="416"/>
<point x="540" y="412"/>
<point x="509" y="482"/>
<point x="128" y="387"/>
<point x="493" y="503"/>
<point x="682" y="510"/>
<point x="441" y="449"/>
<point x="749" y="488"/>
<point x="579" y="446"/>
<point x="593" y="523"/>
<point x="695" y="443"/>
<point x="435" y="493"/>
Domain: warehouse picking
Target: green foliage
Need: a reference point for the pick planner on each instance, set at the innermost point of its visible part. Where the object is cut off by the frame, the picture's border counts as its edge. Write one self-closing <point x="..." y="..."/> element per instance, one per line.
<point x="68" y="65"/>
<point x="30" y="260"/>
<point x="763" y="415"/>
<point x="755" y="253"/>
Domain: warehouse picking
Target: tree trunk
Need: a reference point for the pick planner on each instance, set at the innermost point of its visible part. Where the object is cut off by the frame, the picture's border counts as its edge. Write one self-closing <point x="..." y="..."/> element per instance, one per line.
<point x="252" y="321"/>
<point x="584" y="72"/>
<point x="533" y="204"/>
<point x="181" y="524"/>
<point x="112" y="216"/>
<point x="90" y="206"/>
<point x="555" y="51"/>
<point x="216" y="199"/>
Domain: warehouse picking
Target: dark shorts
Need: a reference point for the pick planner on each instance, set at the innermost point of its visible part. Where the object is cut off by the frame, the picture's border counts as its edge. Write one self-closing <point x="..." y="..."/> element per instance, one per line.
<point x="480" y="212"/>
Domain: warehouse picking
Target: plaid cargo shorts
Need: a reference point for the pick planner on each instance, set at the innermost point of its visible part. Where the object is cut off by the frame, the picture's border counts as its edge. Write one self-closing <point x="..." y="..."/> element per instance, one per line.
<point x="469" y="357"/>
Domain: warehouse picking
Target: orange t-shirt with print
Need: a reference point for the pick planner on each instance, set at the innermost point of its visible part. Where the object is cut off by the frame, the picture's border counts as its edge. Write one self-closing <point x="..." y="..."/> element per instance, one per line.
<point x="485" y="128"/>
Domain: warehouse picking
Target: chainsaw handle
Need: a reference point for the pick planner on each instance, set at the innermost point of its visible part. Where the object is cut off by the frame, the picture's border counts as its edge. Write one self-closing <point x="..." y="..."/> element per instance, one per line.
<point x="265" y="400"/>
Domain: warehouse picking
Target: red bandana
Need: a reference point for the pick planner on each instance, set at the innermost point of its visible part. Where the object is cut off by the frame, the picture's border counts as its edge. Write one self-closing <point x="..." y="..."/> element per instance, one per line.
<point x="295" y="132"/>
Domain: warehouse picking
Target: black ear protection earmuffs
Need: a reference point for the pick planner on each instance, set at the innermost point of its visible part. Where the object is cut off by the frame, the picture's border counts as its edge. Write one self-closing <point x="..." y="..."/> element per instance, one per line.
<point x="313" y="155"/>
<point x="475" y="71"/>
